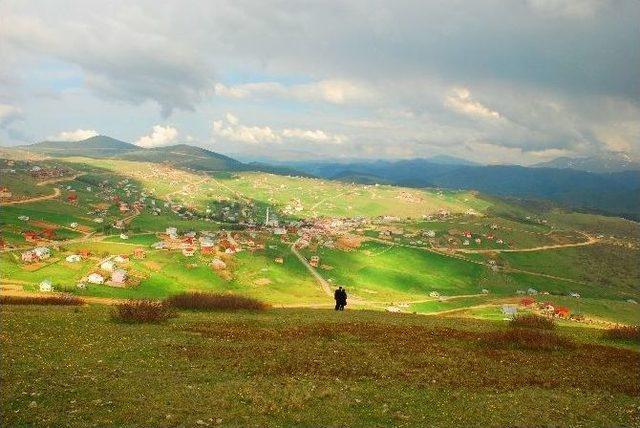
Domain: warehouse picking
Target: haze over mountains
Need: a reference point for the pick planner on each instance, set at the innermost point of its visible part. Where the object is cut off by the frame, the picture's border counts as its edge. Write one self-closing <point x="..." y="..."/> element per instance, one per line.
<point x="606" y="185"/>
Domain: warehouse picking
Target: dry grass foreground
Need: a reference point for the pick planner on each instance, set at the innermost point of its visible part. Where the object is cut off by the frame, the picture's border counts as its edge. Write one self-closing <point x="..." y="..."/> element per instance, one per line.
<point x="74" y="366"/>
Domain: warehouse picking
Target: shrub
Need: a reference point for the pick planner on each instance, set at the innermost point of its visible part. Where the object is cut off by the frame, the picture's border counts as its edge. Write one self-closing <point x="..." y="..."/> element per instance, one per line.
<point x="59" y="299"/>
<point x="523" y="338"/>
<point x="209" y="301"/>
<point x="141" y="311"/>
<point x="623" y="332"/>
<point x="532" y="321"/>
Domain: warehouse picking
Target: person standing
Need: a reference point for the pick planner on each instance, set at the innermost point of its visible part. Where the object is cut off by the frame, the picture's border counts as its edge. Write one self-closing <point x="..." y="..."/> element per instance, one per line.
<point x="337" y="296"/>
<point x="343" y="298"/>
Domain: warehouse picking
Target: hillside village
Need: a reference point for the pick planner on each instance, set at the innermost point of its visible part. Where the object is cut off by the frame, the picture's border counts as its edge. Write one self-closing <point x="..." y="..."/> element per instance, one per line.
<point x="108" y="207"/>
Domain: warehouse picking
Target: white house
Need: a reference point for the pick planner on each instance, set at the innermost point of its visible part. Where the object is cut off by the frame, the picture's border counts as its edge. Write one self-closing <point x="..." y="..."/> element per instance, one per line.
<point x="42" y="252"/>
<point x="576" y="295"/>
<point x="73" y="258"/>
<point x="434" y="294"/>
<point x="123" y="236"/>
<point x="73" y="225"/>
<point x="95" y="278"/>
<point x="108" y="265"/>
<point x="121" y="259"/>
<point x="485" y="291"/>
<point x="46" y="286"/>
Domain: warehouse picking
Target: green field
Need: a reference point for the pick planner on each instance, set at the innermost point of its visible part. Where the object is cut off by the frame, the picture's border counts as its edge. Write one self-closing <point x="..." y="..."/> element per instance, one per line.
<point x="76" y="367"/>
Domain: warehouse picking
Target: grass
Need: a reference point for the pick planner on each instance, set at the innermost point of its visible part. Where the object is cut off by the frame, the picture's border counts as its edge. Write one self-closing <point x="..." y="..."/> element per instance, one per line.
<point x="214" y="302"/>
<point x="62" y="300"/>
<point x="303" y="368"/>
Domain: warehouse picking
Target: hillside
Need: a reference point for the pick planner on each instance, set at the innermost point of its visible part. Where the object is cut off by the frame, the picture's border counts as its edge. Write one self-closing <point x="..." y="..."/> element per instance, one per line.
<point x="611" y="193"/>
<point x="183" y="155"/>
<point x="99" y="146"/>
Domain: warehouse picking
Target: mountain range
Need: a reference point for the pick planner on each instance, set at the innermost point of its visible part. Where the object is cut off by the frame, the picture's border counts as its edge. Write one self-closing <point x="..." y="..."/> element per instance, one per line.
<point x="611" y="187"/>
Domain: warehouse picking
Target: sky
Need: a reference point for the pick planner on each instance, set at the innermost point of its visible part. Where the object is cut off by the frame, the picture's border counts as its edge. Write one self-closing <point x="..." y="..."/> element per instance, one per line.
<point x="494" y="81"/>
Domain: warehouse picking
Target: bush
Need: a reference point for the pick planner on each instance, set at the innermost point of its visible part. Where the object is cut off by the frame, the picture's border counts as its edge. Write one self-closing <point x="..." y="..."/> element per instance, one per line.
<point x="523" y="338"/>
<point x="623" y="332"/>
<point x="532" y="321"/>
<point x="59" y="299"/>
<point x="141" y="311"/>
<point x="209" y="301"/>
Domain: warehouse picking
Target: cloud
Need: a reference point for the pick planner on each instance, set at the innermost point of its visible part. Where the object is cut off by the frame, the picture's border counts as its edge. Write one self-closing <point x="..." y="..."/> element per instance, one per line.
<point x="8" y="114"/>
<point x="460" y="101"/>
<point x="161" y="136"/>
<point x="232" y="130"/>
<point x="77" y="135"/>
<point x="334" y="91"/>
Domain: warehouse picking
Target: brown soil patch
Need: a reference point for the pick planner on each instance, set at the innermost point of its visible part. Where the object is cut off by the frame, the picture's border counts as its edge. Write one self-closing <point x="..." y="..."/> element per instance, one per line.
<point x="349" y="242"/>
<point x="44" y="224"/>
<point x="154" y="266"/>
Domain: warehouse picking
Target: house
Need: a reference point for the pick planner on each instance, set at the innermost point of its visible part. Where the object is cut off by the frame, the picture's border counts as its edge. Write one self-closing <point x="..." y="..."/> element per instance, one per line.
<point x="42" y="252"/>
<point x="466" y="242"/>
<point x="119" y="276"/>
<point x="467" y="234"/>
<point x="509" y="310"/>
<point x="208" y="250"/>
<point x="5" y="192"/>
<point x="139" y="253"/>
<point x="434" y="294"/>
<point x="430" y="233"/>
<point x="485" y="291"/>
<point x="172" y="232"/>
<point x="49" y="233"/>
<point x="30" y="236"/>
<point x="121" y="259"/>
<point x="84" y="252"/>
<point x="108" y="265"/>
<point x="218" y="264"/>
<point x="95" y="278"/>
<point x="532" y="291"/>
<point x="73" y="225"/>
<point x="478" y="241"/>
<point x="314" y="261"/>
<point x="188" y="251"/>
<point x="576" y="295"/>
<point x="73" y="258"/>
<point x="46" y="286"/>
<point x="29" y="257"/>
<point x="279" y="260"/>
<point x="159" y="245"/>
<point x="279" y="231"/>
<point x="72" y="197"/>
<point x="562" y="312"/>
<point x="124" y="236"/>
<point x="23" y="217"/>
<point x="527" y="301"/>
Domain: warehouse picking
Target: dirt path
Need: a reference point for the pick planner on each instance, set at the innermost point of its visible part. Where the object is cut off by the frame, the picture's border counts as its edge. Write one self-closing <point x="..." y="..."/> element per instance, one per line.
<point x="60" y="179"/>
<point x="326" y="288"/>
<point x="590" y="241"/>
<point x="55" y="194"/>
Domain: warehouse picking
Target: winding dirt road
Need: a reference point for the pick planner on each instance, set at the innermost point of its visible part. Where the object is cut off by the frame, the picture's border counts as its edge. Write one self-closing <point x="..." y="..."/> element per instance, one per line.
<point x="55" y="194"/>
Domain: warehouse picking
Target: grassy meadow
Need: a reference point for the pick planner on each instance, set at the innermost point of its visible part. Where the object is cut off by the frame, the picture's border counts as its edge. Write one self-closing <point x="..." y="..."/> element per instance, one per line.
<point x="77" y="367"/>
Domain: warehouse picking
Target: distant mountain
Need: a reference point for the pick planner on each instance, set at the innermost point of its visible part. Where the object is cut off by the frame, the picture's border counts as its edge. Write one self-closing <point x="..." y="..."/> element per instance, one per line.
<point x="450" y="160"/>
<point x="611" y="193"/>
<point x="183" y="155"/>
<point x="180" y="155"/>
<point x="610" y="162"/>
<point x="99" y="146"/>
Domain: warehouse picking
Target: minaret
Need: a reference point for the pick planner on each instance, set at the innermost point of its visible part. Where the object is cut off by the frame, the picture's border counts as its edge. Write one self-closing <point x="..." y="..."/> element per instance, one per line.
<point x="266" y="221"/>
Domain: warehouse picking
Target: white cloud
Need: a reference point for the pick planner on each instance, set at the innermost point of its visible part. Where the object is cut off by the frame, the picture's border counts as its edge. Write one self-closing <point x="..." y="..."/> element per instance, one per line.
<point x="161" y="136"/>
<point x="316" y="136"/>
<point x="232" y="130"/>
<point x="333" y="91"/>
<point x="77" y="135"/>
<point x="460" y="101"/>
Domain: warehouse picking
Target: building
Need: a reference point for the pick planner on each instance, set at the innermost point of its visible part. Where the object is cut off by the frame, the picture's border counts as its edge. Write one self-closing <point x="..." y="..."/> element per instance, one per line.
<point x="121" y="259"/>
<point x="46" y="286"/>
<point x="314" y="261"/>
<point x="139" y="253"/>
<point x="73" y="258"/>
<point x="218" y="264"/>
<point x="30" y="236"/>
<point x="119" y="276"/>
<point x="5" y="192"/>
<point x="279" y="260"/>
<point x="29" y="257"/>
<point x="188" y="251"/>
<point x="95" y="278"/>
<point x="42" y="252"/>
<point x="108" y="265"/>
